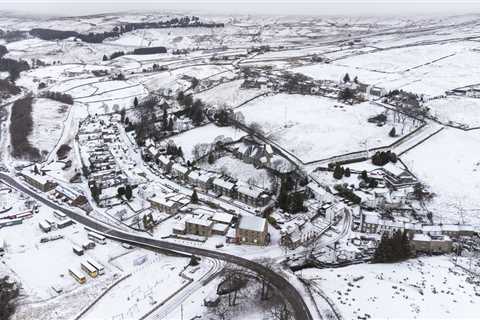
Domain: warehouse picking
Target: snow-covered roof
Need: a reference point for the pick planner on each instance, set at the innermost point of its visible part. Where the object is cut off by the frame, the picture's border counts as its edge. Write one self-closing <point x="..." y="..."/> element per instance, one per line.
<point x="200" y="222"/>
<point x="223" y="183"/>
<point x="152" y="150"/>
<point x="69" y="193"/>
<point x="161" y="200"/>
<point x="220" y="227"/>
<point x="250" y="191"/>
<point x="36" y="177"/>
<point x="222" y="217"/>
<point x="179" y="168"/>
<point x="163" y="159"/>
<point x="252" y="223"/>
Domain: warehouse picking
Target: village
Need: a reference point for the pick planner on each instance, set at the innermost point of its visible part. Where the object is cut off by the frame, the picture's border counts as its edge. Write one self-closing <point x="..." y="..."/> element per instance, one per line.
<point x="234" y="169"/>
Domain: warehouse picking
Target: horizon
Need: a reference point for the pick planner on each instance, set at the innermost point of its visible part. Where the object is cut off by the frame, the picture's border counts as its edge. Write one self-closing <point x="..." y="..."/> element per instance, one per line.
<point x="263" y="8"/>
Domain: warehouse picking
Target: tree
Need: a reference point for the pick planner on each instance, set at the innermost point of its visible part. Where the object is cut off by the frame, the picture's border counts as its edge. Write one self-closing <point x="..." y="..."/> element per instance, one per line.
<point x="120" y="192"/>
<point x="170" y="124"/>
<point x="338" y="172"/>
<point x="128" y="192"/>
<point x="35" y="170"/>
<point x="135" y="102"/>
<point x="194" y="197"/>
<point x="392" y="247"/>
<point x="346" y="78"/>
<point x="211" y="158"/>
<point x="9" y="291"/>
<point x="105" y="58"/>
<point x="392" y="133"/>
<point x="347" y="172"/>
<point x="355" y="79"/>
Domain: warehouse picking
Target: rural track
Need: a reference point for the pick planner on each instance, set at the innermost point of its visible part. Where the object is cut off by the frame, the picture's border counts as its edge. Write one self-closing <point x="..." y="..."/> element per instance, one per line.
<point x="284" y="287"/>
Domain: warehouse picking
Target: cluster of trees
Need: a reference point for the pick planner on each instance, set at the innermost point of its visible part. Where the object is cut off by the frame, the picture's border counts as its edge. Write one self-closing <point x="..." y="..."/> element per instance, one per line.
<point x="289" y="199"/>
<point x="346" y="78"/>
<point x="381" y="158"/>
<point x="113" y="55"/>
<point x="9" y="88"/>
<point x="58" y="96"/>
<point x="95" y="190"/>
<point x="186" y="21"/>
<point x="367" y="181"/>
<point x="148" y="221"/>
<point x="421" y="193"/>
<point x="20" y="128"/>
<point x="194" y="109"/>
<point x="3" y="50"/>
<point x="125" y="191"/>
<point x="14" y="35"/>
<point x="173" y="150"/>
<point x="345" y="192"/>
<point x="14" y="67"/>
<point x="346" y="94"/>
<point x="339" y="172"/>
<point x="150" y="50"/>
<point x="63" y="151"/>
<point x="393" y="248"/>
<point x="9" y="291"/>
<point x="52" y="34"/>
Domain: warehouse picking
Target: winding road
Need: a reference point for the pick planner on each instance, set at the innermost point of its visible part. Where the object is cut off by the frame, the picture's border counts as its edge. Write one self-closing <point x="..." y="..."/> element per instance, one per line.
<point x="287" y="290"/>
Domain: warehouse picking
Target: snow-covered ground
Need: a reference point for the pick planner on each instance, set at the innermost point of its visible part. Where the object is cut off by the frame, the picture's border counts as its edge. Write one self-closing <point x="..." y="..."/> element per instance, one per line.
<point x="449" y="164"/>
<point x="240" y="170"/>
<point x="457" y="110"/>
<point x="229" y="94"/>
<point x="204" y="134"/>
<point x="424" y="288"/>
<point x="48" y="117"/>
<point x="315" y="128"/>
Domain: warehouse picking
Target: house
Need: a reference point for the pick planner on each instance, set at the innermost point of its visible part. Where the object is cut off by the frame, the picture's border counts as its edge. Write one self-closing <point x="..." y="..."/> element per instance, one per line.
<point x="298" y="232"/>
<point x="164" y="204"/>
<point x="164" y="162"/>
<point x="179" y="171"/>
<point x="220" y="229"/>
<point x="73" y="197"/>
<point x="431" y="244"/>
<point x="199" y="227"/>
<point x="252" y="195"/>
<point x="223" y="187"/>
<point x="39" y="181"/>
<point x="222" y="217"/>
<point x="182" y="124"/>
<point x="201" y="179"/>
<point x="253" y="230"/>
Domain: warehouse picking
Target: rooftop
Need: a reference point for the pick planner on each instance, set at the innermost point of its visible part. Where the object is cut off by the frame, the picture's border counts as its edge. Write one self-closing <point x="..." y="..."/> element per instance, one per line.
<point x="252" y="223"/>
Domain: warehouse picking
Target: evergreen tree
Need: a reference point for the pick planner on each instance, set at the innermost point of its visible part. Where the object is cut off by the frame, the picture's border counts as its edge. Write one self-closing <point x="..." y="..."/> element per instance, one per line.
<point x="164" y="120"/>
<point x="135" y="102"/>
<point x="392" y="133"/>
<point x="355" y="79"/>
<point x="170" y="124"/>
<point x="105" y="58"/>
<point x="128" y="192"/>
<point x="283" y="201"/>
<point x="347" y="172"/>
<point x="194" y="197"/>
<point x="35" y="170"/>
<point x="211" y="158"/>
<point x="346" y="78"/>
<point x="337" y="173"/>
<point x="120" y="191"/>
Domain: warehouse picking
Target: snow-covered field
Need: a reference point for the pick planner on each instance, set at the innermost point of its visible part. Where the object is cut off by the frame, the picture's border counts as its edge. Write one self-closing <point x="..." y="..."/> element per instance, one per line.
<point x="424" y="288"/>
<point x="458" y="110"/>
<point x="204" y="134"/>
<point x="240" y="170"/>
<point x="48" y="117"/>
<point x="315" y="128"/>
<point x="229" y="94"/>
<point x="449" y="164"/>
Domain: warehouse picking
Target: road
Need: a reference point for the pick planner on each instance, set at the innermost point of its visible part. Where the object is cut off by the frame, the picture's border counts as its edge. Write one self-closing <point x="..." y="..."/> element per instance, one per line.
<point x="284" y="287"/>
